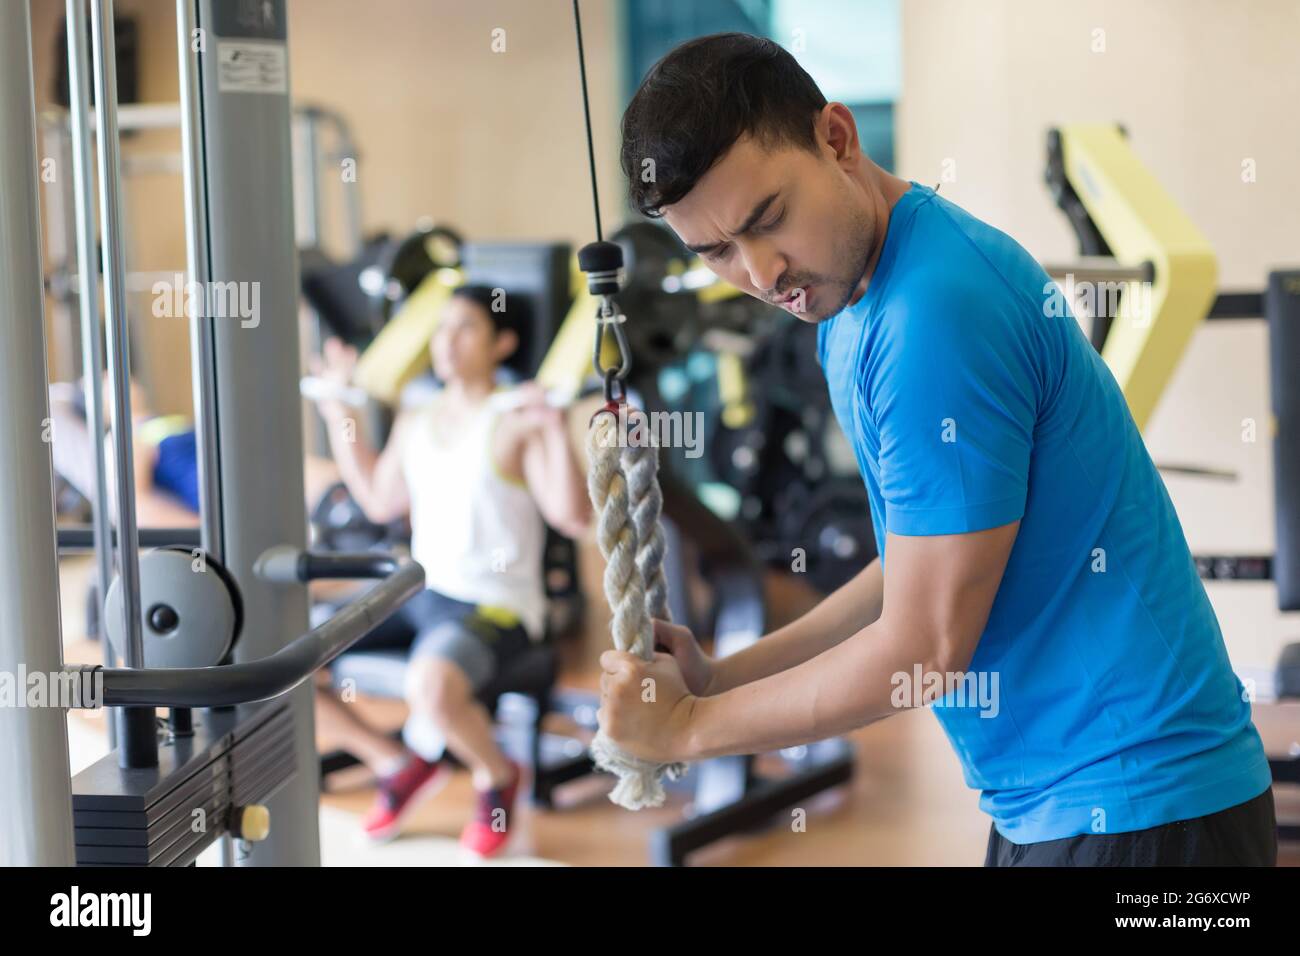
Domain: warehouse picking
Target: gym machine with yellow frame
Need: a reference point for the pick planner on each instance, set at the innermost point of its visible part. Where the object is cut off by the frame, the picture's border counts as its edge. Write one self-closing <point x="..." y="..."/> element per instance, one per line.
<point x="1140" y="244"/>
<point x="1149" y="277"/>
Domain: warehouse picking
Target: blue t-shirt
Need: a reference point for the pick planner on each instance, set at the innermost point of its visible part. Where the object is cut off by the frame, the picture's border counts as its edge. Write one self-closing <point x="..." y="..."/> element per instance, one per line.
<point x="972" y="400"/>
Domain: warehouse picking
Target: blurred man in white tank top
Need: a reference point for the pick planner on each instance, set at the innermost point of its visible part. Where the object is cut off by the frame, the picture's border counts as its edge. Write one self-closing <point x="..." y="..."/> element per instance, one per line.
<point x="480" y="470"/>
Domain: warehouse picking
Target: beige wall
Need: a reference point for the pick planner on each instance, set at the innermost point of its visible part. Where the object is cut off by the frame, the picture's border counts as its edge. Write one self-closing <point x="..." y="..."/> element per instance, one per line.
<point x="1201" y="86"/>
<point x="489" y="142"/>
<point x="153" y="213"/>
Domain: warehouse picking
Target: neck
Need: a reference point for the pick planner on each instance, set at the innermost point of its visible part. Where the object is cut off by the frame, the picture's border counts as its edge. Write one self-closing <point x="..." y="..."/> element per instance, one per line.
<point x="469" y="391"/>
<point x="883" y="191"/>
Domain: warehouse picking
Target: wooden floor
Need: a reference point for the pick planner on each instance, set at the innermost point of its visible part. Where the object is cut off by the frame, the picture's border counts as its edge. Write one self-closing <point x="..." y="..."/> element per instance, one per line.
<point x="907" y="804"/>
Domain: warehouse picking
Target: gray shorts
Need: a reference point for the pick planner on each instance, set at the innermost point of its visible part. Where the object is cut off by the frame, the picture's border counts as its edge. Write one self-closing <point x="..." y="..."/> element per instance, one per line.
<point x="481" y="641"/>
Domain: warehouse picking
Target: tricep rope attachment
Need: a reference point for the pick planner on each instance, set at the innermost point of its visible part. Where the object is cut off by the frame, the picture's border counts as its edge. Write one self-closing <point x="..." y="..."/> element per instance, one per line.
<point x="623" y="481"/>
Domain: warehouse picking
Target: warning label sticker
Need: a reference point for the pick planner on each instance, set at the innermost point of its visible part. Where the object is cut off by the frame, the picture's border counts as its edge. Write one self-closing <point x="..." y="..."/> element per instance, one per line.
<point x="252" y="67"/>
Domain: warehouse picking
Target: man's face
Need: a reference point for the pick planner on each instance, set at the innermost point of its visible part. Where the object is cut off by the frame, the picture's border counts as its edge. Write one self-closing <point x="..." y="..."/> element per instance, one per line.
<point x="782" y="224"/>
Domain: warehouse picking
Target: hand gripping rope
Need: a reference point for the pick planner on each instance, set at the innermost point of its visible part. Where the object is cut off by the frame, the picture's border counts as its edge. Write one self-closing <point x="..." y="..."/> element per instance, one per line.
<point x="623" y="481"/>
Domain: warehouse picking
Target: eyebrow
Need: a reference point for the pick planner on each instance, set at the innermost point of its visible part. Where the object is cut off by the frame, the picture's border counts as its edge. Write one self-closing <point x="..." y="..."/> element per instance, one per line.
<point x="746" y="226"/>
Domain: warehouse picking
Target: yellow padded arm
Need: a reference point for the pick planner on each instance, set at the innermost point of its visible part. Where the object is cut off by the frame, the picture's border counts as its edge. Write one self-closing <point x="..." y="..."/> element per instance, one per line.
<point x="1142" y="223"/>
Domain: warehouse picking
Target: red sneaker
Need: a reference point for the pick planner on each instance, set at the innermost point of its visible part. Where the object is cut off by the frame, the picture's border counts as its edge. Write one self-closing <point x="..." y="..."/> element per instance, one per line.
<point x="401" y="793"/>
<point x="488" y="832"/>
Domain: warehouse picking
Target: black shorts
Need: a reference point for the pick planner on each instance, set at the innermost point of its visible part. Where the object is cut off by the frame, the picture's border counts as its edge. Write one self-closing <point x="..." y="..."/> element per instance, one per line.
<point x="478" y="640"/>
<point x="1244" y="835"/>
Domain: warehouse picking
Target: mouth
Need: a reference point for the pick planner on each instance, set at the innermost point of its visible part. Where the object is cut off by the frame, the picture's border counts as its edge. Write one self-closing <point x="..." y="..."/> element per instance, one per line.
<point x="793" y="297"/>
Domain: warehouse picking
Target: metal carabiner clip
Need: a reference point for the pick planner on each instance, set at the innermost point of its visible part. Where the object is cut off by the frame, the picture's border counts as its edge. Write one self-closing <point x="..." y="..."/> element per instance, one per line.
<point x="607" y="316"/>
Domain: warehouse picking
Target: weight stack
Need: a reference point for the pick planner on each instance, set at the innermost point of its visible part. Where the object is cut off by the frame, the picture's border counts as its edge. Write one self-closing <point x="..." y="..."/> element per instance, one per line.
<point x="168" y="814"/>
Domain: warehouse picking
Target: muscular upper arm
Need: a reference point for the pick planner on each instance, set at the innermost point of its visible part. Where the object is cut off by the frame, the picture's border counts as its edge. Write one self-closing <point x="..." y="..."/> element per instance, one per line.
<point x="939" y="590"/>
<point x="388" y="486"/>
<point x="953" y="397"/>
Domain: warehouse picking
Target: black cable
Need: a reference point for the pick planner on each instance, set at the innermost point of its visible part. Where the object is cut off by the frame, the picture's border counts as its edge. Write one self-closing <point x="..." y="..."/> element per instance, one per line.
<point x="586" y="110"/>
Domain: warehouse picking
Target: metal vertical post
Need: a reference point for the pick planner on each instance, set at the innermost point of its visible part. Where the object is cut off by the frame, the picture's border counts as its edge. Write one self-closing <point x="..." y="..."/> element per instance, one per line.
<point x="60" y="244"/>
<point x="92" y="353"/>
<point x="203" y="372"/>
<point x="137" y="744"/>
<point x="351" y="189"/>
<point x="308" y="128"/>
<point x="35" y="780"/>
<point x="251" y="254"/>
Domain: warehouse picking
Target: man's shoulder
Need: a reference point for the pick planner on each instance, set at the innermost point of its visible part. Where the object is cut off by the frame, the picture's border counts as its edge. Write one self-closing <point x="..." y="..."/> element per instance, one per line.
<point x="929" y="305"/>
<point x="954" y="257"/>
<point x="950" y="296"/>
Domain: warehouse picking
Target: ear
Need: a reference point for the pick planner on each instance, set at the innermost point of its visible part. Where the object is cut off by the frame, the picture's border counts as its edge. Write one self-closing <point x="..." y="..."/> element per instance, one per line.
<point x="839" y="130"/>
<point x="507" y="341"/>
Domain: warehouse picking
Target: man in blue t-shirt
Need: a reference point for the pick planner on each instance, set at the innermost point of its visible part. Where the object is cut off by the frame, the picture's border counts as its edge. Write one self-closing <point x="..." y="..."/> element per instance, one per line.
<point x="1040" y="592"/>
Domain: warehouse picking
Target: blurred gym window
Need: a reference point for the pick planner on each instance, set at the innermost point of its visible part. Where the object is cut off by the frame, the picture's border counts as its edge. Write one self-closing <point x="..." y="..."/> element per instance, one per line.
<point x="852" y="48"/>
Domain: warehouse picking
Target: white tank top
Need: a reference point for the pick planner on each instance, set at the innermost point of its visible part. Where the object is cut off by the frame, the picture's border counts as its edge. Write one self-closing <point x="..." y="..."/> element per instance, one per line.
<point x="478" y="534"/>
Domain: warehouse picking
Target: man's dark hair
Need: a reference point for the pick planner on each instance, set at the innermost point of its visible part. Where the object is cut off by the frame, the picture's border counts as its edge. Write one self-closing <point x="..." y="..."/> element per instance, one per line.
<point x="507" y="311"/>
<point x="702" y="97"/>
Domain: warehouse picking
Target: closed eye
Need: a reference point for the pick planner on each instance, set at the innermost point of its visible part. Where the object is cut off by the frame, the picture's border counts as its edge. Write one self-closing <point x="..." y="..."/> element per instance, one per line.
<point x="722" y="252"/>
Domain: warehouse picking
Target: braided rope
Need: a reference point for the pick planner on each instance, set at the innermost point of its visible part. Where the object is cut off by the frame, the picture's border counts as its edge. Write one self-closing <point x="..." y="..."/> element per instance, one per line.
<point x="624" y="489"/>
<point x="617" y="536"/>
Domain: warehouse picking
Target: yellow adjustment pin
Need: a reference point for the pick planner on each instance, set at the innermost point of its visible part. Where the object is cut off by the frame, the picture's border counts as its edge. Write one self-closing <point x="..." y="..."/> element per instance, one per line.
<point x="254" y="823"/>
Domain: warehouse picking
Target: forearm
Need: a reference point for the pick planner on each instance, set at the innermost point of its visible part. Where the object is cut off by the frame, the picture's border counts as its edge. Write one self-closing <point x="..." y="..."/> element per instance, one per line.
<point x="353" y="456"/>
<point x="848" y="686"/>
<point x="852" y="607"/>
<point x="564" y="490"/>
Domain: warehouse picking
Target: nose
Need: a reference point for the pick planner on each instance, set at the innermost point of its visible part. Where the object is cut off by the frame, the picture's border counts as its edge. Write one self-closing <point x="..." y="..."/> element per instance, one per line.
<point x="764" y="264"/>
